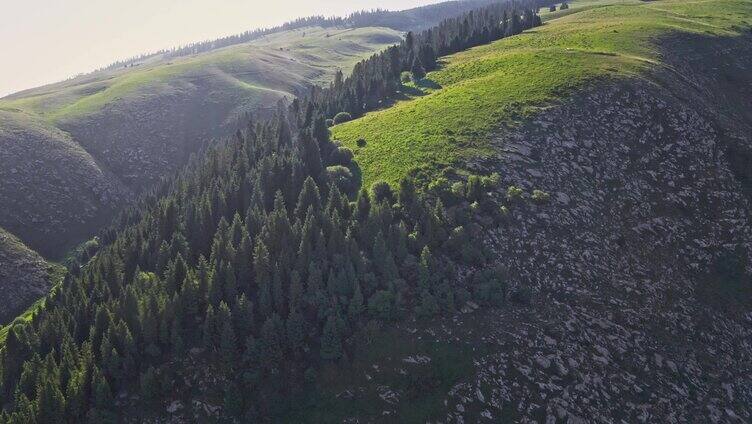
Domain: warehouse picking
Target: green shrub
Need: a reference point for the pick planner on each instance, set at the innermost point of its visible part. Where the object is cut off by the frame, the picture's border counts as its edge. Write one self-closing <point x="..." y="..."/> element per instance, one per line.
<point x="540" y="196"/>
<point x="441" y="188"/>
<point x="382" y="191"/>
<point x="490" y="285"/>
<point x="428" y="306"/>
<point x="514" y="192"/>
<point x="491" y="182"/>
<point x="341" y="118"/>
<point x="341" y="156"/>
<point x="342" y="177"/>
<point x="458" y="189"/>
<point x="381" y="305"/>
<point x="361" y="143"/>
<point x="474" y="191"/>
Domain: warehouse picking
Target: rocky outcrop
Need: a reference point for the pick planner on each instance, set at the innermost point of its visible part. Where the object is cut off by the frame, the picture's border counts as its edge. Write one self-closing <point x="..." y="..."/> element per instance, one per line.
<point x="634" y="315"/>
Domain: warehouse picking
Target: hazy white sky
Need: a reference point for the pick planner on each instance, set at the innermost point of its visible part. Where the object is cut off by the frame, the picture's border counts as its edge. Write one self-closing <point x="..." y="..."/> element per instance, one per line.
<point x="45" y="41"/>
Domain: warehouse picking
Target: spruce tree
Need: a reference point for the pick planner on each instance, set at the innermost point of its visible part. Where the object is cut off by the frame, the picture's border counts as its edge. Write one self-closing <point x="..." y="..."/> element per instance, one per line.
<point x="149" y="384"/>
<point x="417" y="69"/>
<point x="209" y="329"/>
<point x="228" y="345"/>
<point x="331" y="342"/>
<point x="101" y="392"/>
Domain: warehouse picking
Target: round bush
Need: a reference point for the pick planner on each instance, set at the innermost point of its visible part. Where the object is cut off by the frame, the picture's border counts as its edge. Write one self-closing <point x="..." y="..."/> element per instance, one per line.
<point x="382" y="191"/>
<point x="342" y="178"/>
<point x="341" y="118"/>
<point x="341" y="156"/>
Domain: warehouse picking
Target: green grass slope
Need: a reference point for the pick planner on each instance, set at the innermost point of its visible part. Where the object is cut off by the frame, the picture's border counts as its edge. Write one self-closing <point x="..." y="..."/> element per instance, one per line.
<point x="479" y="90"/>
<point x="280" y="63"/>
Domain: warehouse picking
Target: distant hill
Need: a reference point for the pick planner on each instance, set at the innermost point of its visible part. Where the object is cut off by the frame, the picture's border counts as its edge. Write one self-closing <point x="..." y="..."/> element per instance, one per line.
<point x="414" y="19"/>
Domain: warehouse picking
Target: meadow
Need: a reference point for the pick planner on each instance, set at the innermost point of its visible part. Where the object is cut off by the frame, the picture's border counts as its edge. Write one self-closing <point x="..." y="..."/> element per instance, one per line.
<point x="474" y="93"/>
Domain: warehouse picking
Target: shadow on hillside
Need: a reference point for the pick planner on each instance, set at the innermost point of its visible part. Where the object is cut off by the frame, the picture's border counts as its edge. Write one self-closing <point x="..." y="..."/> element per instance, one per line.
<point x="417" y="89"/>
<point x="717" y="70"/>
<point x="723" y="85"/>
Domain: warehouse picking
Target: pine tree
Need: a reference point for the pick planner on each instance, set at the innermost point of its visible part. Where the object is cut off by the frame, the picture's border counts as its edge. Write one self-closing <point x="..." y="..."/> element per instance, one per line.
<point x="242" y="315"/>
<point x="263" y="278"/>
<point x="210" y="328"/>
<point x="331" y="342"/>
<point x="295" y="331"/>
<point x="176" y="338"/>
<point x="228" y="345"/>
<point x="426" y="269"/>
<point x="233" y="400"/>
<point x="355" y="307"/>
<point x="417" y="69"/>
<point x="149" y="384"/>
<point x="51" y="407"/>
<point x="101" y="391"/>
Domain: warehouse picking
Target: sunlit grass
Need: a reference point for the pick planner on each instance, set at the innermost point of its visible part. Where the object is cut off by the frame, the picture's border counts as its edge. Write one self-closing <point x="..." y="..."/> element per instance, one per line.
<point x="502" y="82"/>
<point x="261" y="65"/>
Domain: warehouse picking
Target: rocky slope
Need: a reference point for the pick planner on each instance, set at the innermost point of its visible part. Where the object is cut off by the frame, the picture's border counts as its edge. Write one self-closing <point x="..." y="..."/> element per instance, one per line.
<point x="643" y="312"/>
<point x="632" y="318"/>
<point x="54" y="192"/>
<point x="24" y="277"/>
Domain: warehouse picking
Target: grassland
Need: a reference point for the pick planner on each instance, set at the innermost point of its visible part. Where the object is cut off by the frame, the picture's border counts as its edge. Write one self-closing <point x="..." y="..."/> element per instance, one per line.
<point x="499" y="84"/>
<point x="314" y="53"/>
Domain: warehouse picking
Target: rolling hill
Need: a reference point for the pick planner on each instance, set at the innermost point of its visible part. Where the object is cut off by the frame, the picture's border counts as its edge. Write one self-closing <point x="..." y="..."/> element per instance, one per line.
<point x="72" y="153"/>
<point x="621" y="134"/>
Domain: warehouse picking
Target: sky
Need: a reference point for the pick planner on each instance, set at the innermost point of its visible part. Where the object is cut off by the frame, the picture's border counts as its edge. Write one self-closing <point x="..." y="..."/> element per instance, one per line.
<point x="46" y="41"/>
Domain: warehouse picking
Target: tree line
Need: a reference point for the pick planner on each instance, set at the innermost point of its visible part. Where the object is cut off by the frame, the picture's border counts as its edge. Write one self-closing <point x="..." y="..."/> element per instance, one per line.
<point x="379" y="78"/>
<point x="398" y="20"/>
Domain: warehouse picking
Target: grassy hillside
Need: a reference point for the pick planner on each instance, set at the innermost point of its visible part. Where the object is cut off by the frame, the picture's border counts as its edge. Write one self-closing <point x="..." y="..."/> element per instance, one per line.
<point x="447" y="117"/>
<point x="280" y="63"/>
<point x="74" y="152"/>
